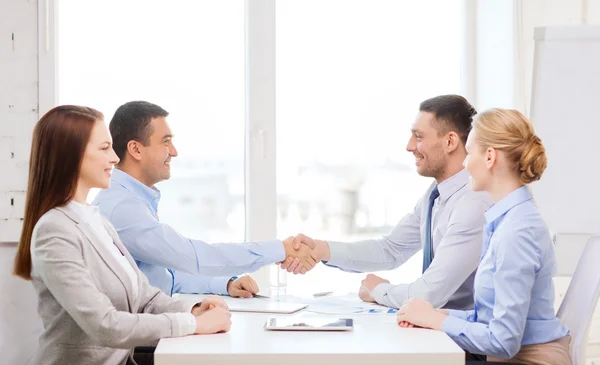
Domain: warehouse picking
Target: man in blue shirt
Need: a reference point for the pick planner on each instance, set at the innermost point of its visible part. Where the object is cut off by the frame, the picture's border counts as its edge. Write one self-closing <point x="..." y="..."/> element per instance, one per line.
<point x="176" y="264"/>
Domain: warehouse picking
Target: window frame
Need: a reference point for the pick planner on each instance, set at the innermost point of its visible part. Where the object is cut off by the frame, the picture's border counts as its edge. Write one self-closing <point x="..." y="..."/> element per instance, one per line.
<point x="260" y="123"/>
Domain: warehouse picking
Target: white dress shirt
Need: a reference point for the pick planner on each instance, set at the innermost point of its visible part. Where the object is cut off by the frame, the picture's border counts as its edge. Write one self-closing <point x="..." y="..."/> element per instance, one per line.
<point x="91" y="215"/>
<point x="457" y="224"/>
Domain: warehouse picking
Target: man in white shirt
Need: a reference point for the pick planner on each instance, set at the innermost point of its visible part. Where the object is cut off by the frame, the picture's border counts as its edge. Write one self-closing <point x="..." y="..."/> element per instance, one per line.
<point x="446" y="223"/>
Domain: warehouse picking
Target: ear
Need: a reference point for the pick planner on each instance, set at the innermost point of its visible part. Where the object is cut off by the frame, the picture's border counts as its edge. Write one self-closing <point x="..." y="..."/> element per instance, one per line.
<point x="491" y="157"/>
<point x="134" y="148"/>
<point x="452" y="142"/>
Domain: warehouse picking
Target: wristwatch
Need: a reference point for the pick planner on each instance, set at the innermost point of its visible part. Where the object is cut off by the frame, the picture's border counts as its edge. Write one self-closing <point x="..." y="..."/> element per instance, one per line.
<point x="233" y="278"/>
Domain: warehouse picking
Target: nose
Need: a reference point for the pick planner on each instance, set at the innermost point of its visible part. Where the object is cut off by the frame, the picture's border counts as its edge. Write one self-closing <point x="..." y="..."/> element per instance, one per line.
<point x="411" y="145"/>
<point x="173" y="150"/>
<point x="114" y="159"/>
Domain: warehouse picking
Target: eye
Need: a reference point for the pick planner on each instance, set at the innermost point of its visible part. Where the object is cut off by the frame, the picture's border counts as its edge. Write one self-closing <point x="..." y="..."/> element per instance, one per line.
<point x="167" y="141"/>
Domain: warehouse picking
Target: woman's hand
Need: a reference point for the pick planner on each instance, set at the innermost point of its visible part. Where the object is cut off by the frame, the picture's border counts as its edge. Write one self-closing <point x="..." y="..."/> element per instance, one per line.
<point x="420" y="313"/>
<point x="210" y="302"/>
<point x="215" y="320"/>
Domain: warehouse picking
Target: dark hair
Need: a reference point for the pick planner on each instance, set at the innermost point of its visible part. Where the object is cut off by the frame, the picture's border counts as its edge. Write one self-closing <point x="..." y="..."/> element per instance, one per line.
<point x="131" y="122"/>
<point x="59" y="142"/>
<point x="452" y="113"/>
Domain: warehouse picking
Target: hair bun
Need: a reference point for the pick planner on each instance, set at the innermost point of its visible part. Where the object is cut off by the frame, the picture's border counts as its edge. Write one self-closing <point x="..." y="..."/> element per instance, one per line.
<point x="533" y="160"/>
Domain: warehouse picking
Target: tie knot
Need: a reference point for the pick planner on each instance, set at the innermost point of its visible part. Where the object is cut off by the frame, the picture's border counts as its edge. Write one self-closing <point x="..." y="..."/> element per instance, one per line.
<point x="434" y="194"/>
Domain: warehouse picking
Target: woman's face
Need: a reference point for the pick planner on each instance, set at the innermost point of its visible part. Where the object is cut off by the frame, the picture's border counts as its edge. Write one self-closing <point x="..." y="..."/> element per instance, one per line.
<point x="477" y="164"/>
<point x="98" y="159"/>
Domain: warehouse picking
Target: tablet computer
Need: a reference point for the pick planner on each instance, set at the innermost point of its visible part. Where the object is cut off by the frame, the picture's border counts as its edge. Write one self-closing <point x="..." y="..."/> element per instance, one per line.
<point x="309" y="324"/>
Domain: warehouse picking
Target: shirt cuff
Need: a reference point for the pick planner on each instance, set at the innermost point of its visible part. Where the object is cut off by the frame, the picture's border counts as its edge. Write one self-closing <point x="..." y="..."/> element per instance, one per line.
<point x="380" y="293"/>
<point x="458" y="314"/>
<point x="338" y="254"/>
<point x="454" y="326"/>
<point x="186" y="324"/>
<point x="272" y="251"/>
<point x="218" y="285"/>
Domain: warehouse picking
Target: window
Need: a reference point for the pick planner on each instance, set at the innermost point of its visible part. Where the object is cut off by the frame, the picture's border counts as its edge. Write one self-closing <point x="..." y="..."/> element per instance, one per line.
<point x="188" y="57"/>
<point x="350" y="77"/>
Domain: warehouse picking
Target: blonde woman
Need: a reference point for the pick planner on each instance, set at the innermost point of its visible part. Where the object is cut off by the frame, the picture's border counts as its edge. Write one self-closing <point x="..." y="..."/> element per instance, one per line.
<point x="513" y="319"/>
<point x="95" y="304"/>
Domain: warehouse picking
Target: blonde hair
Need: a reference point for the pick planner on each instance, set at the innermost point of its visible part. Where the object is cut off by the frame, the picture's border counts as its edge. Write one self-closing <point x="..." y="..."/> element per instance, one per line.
<point x="511" y="132"/>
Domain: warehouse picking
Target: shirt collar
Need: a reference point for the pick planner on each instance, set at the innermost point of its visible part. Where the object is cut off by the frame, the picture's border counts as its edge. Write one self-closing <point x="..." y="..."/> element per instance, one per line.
<point x="451" y="185"/>
<point x="150" y="195"/>
<point x="510" y="201"/>
<point x="85" y="211"/>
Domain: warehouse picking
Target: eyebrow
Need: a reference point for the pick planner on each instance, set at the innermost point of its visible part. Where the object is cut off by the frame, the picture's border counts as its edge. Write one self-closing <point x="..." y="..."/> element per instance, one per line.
<point x="414" y="131"/>
<point x="166" y="136"/>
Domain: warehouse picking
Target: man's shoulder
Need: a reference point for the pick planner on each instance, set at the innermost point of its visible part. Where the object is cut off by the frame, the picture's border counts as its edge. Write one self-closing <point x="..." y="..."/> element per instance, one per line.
<point x="469" y="196"/>
<point x="115" y="197"/>
<point x="470" y="206"/>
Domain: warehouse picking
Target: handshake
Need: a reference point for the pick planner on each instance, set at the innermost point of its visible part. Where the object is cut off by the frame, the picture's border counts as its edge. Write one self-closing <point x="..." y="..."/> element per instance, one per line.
<point x="302" y="253"/>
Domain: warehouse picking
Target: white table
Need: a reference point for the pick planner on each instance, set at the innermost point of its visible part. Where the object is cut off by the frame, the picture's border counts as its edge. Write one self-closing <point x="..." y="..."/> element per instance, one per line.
<point x="375" y="340"/>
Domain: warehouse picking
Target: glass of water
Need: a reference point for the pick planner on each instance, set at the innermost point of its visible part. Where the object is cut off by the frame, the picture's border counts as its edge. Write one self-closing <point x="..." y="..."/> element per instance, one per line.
<point x="277" y="282"/>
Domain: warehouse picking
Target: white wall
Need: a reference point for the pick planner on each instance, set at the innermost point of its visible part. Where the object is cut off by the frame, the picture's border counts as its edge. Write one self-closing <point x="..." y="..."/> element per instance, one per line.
<point x="505" y="44"/>
<point x="19" y="104"/>
<point x="18" y="107"/>
<point x="537" y="13"/>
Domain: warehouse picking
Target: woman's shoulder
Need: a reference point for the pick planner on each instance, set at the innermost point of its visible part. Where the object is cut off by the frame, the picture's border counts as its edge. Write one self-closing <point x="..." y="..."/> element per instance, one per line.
<point x="525" y="223"/>
<point x="54" y="223"/>
<point x="525" y="214"/>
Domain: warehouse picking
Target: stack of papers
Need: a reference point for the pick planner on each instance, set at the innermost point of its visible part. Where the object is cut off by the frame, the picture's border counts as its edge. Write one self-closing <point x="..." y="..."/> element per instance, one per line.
<point x="345" y="303"/>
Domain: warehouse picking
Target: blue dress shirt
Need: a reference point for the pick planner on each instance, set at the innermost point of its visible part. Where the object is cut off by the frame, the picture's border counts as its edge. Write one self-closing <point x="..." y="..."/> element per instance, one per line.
<point x="174" y="263"/>
<point x="513" y="291"/>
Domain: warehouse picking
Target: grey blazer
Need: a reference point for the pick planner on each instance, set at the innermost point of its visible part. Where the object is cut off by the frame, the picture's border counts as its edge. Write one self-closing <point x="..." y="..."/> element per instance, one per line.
<point x="86" y="302"/>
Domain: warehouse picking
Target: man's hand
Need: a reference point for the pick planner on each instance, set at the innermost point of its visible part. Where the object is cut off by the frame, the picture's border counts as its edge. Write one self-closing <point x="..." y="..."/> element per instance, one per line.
<point x="368" y="285"/>
<point x="302" y="239"/>
<point x="304" y="253"/>
<point x="321" y="249"/>
<point x="420" y="313"/>
<point x="244" y="287"/>
<point x="365" y="294"/>
<point x="371" y="281"/>
<point x="210" y="302"/>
